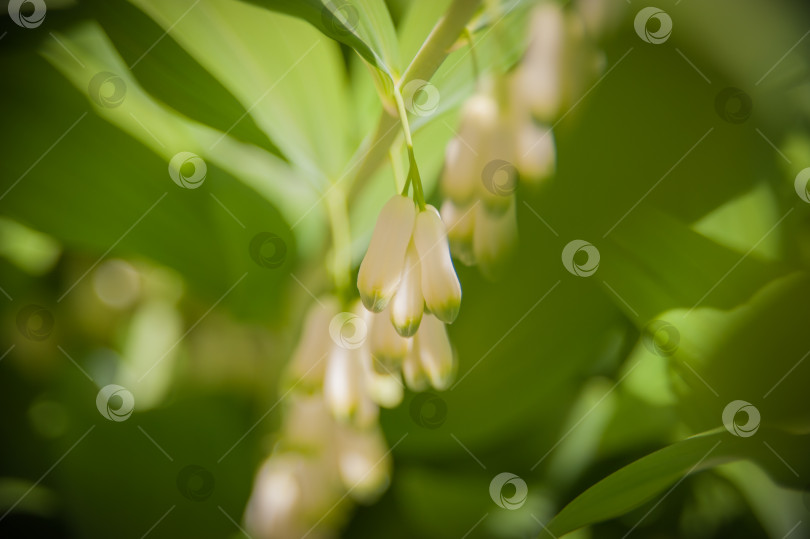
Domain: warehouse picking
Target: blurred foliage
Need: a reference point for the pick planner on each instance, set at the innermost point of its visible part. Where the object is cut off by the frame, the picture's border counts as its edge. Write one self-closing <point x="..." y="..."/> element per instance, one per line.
<point x="561" y="381"/>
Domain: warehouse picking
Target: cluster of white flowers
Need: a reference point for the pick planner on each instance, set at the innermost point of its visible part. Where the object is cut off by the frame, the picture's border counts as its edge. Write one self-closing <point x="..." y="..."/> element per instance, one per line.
<point x="350" y="363"/>
<point x="505" y="137"/>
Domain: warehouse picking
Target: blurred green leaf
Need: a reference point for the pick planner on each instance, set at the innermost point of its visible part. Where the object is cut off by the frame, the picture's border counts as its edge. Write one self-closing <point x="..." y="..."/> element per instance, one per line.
<point x="168" y="72"/>
<point x="132" y="207"/>
<point x="363" y="25"/>
<point x="638" y="482"/>
<point x="291" y="79"/>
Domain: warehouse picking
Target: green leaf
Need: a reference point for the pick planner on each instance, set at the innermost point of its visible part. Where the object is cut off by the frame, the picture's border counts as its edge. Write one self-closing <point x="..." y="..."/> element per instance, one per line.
<point x="100" y="192"/>
<point x="170" y="74"/>
<point x="291" y="79"/>
<point x="639" y="482"/>
<point x="363" y="25"/>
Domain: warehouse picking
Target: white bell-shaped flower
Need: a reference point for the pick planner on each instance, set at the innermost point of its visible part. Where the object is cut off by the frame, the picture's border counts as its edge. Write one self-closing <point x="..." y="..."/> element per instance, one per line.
<point x="463" y="160"/>
<point x="440" y="286"/>
<point x="498" y="175"/>
<point x="308" y="363"/>
<point x="384" y="384"/>
<point x="495" y="240"/>
<point x="460" y="222"/>
<point x="386" y="345"/>
<point x="435" y="353"/>
<point x="308" y="423"/>
<point x="535" y="154"/>
<point x="415" y="376"/>
<point x="381" y="269"/>
<point x="408" y="304"/>
<point x="364" y="462"/>
<point x="541" y="72"/>
<point x="344" y="388"/>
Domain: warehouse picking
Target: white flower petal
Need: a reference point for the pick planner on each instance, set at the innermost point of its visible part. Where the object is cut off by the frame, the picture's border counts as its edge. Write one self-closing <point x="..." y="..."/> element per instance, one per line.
<point x="344" y="388"/>
<point x="363" y="462"/>
<point x="541" y="73"/>
<point x="381" y="269"/>
<point x="436" y="353"/>
<point x="460" y="221"/>
<point x="384" y="385"/>
<point x="386" y="345"/>
<point x="308" y="363"/>
<point x="495" y="240"/>
<point x="462" y="168"/>
<point x="408" y="304"/>
<point x="415" y="377"/>
<point x="536" y="153"/>
<point x="440" y="285"/>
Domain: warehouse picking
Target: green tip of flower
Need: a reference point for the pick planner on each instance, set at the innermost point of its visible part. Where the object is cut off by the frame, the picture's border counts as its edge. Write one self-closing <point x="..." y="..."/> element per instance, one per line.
<point x="375" y="302"/>
<point x="408" y="329"/>
<point x="447" y="312"/>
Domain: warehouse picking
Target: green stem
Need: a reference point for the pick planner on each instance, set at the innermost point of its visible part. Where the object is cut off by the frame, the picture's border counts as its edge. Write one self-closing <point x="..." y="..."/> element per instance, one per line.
<point x="473" y="55"/>
<point x="430" y="56"/>
<point x="413" y="172"/>
<point x="341" y="238"/>
<point x="396" y="166"/>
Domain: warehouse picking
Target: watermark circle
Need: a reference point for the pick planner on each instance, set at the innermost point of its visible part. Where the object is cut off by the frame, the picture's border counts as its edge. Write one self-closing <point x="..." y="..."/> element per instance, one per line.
<point x="30" y="19"/>
<point x="647" y="19"/>
<point x="268" y="250"/>
<point x="584" y="268"/>
<point x="115" y="402"/>
<point x="516" y="500"/>
<point x="187" y="170"/>
<point x="751" y="425"/>
<point x="428" y="410"/>
<point x="195" y="483"/>
<point x="35" y="322"/>
<point x="107" y="89"/>
<point x="420" y="97"/>
<point x="348" y="330"/>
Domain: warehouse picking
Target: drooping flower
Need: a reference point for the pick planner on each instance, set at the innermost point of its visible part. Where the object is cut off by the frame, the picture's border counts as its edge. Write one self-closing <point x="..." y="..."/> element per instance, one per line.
<point x="463" y="159"/>
<point x="435" y="353"/>
<point x="381" y="269"/>
<point x="535" y="154"/>
<point x="364" y="463"/>
<point x="460" y="222"/>
<point x="384" y="384"/>
<point x="344" y="388"/>
<point x="408" y="304"/>
<point x="542" y="72"/>
<point x="440" y="285"/>
<point x="308" y="362"/>
<point x="412" y="371"/>
<point x="495" y="240"/>
<point x="385" y="343"/>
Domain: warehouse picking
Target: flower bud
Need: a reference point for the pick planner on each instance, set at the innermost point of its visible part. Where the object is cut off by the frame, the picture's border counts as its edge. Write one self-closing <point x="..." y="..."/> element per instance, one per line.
<point x="494" y="240"/>
<point x="384" y="385"/>
<point x="386" y="345"/>
<point x="363" y="462"/>
<point x="435" y="353"/>
<point x="462" y="167"/>
<point x="408" y="304"/>
<point x="541" y="73"/>
<point x="497" y="173"/>
<point x="308" y="362"/>
<point x="381" y="269"/>
<point x="536" y="158"/>
<point x="440" y="285"/>
<point x="344" y="388"/>
<point x="460" y="221"/>
<point x="308" y="424"/>
<point x="412" y="371"/>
